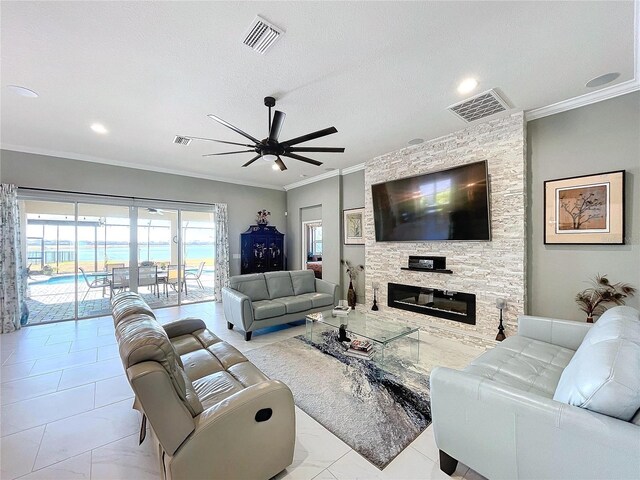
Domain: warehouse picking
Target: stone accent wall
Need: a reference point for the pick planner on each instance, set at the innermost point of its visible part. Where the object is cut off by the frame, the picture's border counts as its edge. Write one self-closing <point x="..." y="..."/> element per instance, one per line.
<point x="489" y="269"/>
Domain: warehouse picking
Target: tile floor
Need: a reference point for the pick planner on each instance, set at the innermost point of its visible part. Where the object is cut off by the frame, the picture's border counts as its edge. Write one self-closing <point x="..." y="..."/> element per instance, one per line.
<point x="66" y="408"/>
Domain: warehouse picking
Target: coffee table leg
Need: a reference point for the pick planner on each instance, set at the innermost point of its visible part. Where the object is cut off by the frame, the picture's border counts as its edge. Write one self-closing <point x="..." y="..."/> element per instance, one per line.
<point x="309" y="330"/>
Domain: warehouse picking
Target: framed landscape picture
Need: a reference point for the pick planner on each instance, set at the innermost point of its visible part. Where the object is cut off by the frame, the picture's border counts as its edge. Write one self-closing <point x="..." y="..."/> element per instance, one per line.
<point x="353" y="225"/>
<point x="585" y="210"/>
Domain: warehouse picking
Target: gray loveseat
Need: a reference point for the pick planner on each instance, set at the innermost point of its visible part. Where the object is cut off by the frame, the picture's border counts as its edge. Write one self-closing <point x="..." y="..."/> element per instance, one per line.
<point x="261" y="300"/>
<point x="560" y="400"/>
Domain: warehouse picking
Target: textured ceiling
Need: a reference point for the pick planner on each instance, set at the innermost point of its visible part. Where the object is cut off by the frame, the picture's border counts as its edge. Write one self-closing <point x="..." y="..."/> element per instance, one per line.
<point x="381" y="72"/>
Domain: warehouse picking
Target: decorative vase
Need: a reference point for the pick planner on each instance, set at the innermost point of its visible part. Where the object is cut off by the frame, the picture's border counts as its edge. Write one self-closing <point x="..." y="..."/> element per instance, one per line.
<point x="589" y="319"/>
<point x="263" y="222"/>
<point x="351" y="296"/>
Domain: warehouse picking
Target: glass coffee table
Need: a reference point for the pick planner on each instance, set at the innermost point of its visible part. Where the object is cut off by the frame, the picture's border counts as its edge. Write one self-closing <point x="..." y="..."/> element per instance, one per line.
<point x="383" y="332"/>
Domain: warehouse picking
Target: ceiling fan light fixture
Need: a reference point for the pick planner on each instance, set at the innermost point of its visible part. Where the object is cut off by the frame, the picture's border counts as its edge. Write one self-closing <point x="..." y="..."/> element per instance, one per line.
<point x="269" y="157"/>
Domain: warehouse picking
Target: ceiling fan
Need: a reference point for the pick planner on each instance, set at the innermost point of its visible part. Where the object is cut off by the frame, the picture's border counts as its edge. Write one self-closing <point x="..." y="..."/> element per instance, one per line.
<point x="270" y="148"/>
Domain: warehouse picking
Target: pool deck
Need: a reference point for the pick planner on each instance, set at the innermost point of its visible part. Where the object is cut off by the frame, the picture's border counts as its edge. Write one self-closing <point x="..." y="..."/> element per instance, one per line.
<point x="53" y="302"/>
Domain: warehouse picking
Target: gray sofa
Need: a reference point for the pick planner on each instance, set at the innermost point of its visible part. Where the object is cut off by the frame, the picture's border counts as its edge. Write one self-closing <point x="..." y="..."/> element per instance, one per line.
<point x="213" y="414"/>
<point x="560" y="400"/>
<point x="261" y="300"/>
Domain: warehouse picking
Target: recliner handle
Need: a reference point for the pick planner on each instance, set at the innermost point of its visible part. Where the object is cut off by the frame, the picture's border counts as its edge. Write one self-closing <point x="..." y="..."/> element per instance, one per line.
<point x="263" y="415"/>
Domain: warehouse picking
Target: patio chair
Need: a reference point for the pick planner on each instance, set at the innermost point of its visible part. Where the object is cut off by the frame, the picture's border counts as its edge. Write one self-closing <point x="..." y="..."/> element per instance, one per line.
<point x="119" y="279"/>
<point x="195" y="275"/>
<point x="172" y="279"/>
<point x="98" y="282"/>
<point x="148" y="277"/>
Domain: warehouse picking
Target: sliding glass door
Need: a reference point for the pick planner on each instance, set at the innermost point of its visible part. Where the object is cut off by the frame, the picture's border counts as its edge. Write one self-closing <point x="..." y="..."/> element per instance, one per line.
<point x="80" y="252"/>
<point x="157" y="241"/>
<point x="198" y="253"/>
<point x="104" y="243"/>
<point x="49" y="235"/>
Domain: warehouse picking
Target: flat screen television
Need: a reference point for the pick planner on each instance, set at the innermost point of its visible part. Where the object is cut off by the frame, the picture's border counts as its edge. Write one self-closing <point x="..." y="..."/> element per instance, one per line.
<point x="451" y="204"/>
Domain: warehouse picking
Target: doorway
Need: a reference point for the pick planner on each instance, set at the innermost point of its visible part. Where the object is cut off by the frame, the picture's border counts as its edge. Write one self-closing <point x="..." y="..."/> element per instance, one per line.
<point x="312" y="246"/>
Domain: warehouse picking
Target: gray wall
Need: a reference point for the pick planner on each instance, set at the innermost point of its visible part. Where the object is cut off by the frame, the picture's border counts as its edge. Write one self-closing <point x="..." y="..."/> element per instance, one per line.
<point x="309" y="214"/>
<point x="353" y="197"/>
<point x="597" y="138"/>
<point x="327" y="194"/>
<point x="40" y="171"/>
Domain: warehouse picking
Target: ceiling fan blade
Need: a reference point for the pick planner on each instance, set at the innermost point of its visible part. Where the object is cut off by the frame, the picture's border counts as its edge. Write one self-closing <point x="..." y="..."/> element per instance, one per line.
<point x="310" y="136"/>
<point x="252" y="160"/>
<point x="281" y="164"/>
<point x="227" y="153"/>
<point x="219" y="141"/>
<point x="276" y="125"/>
<point x="302" y="159"/>
<point x="317" y="149"/>
<point x="235" y="129"/>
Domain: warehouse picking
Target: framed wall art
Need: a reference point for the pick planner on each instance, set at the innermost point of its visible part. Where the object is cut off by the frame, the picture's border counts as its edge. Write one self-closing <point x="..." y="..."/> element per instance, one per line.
<point x="585" y="210"/>
<point x="353" y="226"/>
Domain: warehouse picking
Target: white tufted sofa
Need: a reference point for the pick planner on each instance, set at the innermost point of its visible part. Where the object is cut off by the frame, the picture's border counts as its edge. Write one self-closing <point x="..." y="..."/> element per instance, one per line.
<point x="560" y="400"/>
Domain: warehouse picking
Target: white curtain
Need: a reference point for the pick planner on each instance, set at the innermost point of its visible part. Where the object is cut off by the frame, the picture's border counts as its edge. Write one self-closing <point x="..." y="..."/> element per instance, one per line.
<point x="13" y="280"/>
<point x="222" y="250"/>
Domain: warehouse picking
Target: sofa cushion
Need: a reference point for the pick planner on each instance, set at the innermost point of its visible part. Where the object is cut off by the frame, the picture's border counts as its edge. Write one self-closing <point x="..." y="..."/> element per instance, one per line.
<point x="603" y="374"/>
<point x="304" y="281"/>
<point x="216" y="387"/>
<point x="278" y="284"/>
<point x="523" y="363"/>
<point x="267" y="309"/>
<point x="319" y="299"/>
<point x="296" y="304"/>
<point x="252" y="285"/>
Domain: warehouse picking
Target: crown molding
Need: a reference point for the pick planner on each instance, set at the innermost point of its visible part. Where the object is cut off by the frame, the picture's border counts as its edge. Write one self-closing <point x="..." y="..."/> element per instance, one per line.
<point x="583" y="100"/>
<point x="352" y="169"/>
<point x="307" y="181"/>
<point x="137" y="166"/>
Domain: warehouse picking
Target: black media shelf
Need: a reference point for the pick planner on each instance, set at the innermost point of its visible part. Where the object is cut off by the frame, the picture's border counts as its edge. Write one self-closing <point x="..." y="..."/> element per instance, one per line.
<point x="426" y="270"/>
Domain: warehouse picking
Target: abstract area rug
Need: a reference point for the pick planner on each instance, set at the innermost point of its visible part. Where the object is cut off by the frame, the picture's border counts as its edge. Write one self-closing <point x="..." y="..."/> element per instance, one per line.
<point x="376" y="415"/>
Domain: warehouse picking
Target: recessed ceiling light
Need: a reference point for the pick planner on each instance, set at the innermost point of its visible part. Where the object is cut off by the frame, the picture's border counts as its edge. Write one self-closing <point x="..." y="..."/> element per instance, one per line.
<point x="467" y="85"/>
<point x="602" y="80"/>
<point x="22" y="91"/>
<point x="99" y="128"/>
<point x="415" y="141"/>
<point x="275" y="167"/>
<point x="329" y="169"/>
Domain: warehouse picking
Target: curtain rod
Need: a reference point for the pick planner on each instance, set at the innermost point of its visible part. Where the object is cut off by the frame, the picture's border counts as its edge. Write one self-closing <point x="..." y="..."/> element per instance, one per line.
<point x="48" y="190"/>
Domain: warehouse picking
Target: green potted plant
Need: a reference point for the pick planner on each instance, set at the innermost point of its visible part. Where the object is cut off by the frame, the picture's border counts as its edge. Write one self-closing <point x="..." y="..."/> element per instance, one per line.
<point x="593" y="301"/>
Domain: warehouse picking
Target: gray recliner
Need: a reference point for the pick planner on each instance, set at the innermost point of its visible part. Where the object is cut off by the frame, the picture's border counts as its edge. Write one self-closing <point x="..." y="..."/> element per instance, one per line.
<point x="212" y="413"/>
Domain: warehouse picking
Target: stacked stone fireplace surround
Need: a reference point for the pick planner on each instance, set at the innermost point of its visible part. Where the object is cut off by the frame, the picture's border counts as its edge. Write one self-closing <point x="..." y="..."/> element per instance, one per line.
<point x="490" y="270"/>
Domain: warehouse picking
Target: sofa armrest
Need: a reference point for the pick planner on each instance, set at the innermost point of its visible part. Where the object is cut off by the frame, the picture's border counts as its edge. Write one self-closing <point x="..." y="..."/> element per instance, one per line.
<point x="183" y="327"/>
<point x="503" y="432"/>
<point x="564" y="333"/>
<point x="231" y="440"/>
<point x="322" y="286"/>
<point x="238" y="308"/>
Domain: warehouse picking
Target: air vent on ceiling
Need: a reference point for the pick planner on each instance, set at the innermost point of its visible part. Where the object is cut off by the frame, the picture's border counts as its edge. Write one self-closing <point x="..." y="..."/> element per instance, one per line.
<point x="479" y="106"/>
<point x="181" y="140"/>
<point x="261" y="35"/>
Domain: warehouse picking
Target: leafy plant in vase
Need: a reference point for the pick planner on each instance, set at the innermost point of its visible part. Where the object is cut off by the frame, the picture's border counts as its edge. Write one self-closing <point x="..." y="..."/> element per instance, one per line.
<point x="352" y="271"/>
<point x="593" y="301"/>
<point x="262" y="218"/>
